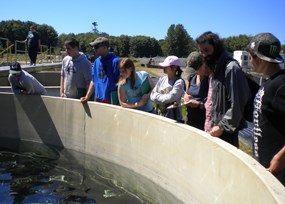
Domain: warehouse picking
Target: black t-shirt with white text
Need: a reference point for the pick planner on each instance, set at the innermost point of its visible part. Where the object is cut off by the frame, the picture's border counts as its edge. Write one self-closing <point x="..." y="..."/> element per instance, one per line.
<point x="268" y="121"/>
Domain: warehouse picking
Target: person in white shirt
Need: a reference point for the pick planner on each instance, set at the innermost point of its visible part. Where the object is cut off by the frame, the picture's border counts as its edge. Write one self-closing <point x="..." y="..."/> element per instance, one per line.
<point x="169" y="89"/>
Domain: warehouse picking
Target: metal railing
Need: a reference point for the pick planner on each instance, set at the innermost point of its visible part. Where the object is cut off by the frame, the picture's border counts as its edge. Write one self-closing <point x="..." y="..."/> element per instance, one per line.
<point x="5" y="50"/>
<point x="20" y="53"/>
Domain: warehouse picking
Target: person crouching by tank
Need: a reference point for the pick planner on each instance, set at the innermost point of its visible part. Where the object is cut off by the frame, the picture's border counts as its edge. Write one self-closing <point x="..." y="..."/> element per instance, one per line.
<point x="169" y="89"/>
<point x="24" y="83"/>
<point x="131" y="87"/>
<point x="196" y="90"/>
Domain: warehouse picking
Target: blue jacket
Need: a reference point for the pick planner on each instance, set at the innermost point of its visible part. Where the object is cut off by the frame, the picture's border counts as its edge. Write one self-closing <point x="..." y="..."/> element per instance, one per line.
<point x="105" y="75"/>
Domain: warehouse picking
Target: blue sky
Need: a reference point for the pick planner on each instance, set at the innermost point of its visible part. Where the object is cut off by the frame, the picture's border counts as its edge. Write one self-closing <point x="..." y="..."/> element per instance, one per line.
<point x="152" y="17"/>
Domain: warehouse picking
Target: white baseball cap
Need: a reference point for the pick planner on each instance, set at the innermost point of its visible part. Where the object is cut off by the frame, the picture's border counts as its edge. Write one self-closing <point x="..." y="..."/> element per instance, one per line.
<point x="170" y="60"/>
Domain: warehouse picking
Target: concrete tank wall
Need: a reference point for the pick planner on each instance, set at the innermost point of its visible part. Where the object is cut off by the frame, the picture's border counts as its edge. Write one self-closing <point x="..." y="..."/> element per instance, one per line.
<point x="195" y="167"/>
<point x="47" y="78"/>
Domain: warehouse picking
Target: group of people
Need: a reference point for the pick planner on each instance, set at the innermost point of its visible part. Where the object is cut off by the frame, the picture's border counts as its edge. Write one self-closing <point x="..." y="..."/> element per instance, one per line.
<point x="215" y="94"/>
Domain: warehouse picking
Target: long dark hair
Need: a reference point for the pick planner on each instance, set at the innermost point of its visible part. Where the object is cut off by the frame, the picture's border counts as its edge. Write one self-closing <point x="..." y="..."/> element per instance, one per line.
<point x="178" y="72"/>
<point x="214" y="40"/>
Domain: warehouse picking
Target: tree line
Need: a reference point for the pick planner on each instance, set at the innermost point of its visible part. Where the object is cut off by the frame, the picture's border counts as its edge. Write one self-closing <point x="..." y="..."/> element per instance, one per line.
<point x="177" y="41"/>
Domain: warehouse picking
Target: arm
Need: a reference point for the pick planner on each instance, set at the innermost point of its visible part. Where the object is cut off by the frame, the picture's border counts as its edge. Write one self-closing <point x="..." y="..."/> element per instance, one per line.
<point x="236" y="96"/>
<point x="186" y="96"/>
<point x="13" y="82"/>
<point x="27" y="83"/>
<point x="24" y="41"/>
<point x="146" y="96"/>
<point x="277" y="164"/>
<point x="87" y="74"/>
<point x="61" y="93"/>
<point x="150" y="82"/>
<point x="122" y="99"/>
<point x="174" y="94"/>
<point x="62" y="73"/>
<point x="188" y="101"/>
<point x="88" y="94"/>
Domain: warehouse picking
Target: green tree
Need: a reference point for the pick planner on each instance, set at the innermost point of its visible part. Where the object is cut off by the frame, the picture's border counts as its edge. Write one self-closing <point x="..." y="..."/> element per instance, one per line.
<point x="14" y="30"/>
<point x="64" y="37"/>
<point x="84" y="40"/>
<point x="18" y="30"/>
<point x="164" y="47"/>
<point x="142" y="46"/>
<point x="121" y="45"/>
<point x="48" y="35"/>
<point x="178" y="42"/>
<point x="233" y="43"/>
<point x="95" y="29"/>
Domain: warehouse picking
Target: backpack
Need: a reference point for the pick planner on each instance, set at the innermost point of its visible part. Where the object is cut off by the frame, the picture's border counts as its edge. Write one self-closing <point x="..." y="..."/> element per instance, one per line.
<point x="253" y="87"/>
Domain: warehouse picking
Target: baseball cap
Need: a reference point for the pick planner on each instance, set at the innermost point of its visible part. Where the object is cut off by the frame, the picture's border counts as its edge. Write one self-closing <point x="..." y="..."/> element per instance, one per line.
<point x="99" y="42"/>
<point x="194" y="61"/>
<point x="15" y="68"/>
<point x="170" y="60"/>
<point x="267" y="47"/>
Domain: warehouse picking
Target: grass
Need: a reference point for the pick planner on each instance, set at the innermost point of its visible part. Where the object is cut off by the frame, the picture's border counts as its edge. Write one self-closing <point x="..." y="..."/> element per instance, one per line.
<point x="245" y="148"/>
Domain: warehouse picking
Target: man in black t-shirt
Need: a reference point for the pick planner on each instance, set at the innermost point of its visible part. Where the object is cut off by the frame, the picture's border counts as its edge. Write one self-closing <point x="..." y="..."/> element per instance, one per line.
<point x="33" y="40"/>
<point x="269" y="104"/>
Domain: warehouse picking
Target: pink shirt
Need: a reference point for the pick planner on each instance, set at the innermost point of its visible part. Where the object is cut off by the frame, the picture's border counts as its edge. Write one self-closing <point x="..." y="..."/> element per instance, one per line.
<point x="208" y="106"/>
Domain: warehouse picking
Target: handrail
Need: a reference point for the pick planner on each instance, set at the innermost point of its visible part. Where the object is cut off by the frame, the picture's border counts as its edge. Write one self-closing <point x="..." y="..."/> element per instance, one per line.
<point x="43" y="54"/>
<point x="21" y="49"/>
<point x="6" y="49"/>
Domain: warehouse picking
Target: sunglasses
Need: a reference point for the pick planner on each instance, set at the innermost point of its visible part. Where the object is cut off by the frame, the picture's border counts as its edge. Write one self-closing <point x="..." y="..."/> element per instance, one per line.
<point x="98" y="46"/>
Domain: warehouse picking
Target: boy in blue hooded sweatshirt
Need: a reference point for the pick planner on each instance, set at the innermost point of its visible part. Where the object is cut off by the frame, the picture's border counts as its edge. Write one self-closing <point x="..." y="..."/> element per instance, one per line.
<point x="105" y="72"/>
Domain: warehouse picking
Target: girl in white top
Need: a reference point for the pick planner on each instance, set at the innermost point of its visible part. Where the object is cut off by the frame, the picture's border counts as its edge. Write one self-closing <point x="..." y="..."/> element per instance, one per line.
<point x="169" y="89"/>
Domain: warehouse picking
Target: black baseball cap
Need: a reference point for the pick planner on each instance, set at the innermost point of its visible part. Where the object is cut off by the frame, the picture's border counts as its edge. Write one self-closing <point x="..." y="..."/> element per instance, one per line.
<point x="267" y="47"/>
<point x="15" y="68"/>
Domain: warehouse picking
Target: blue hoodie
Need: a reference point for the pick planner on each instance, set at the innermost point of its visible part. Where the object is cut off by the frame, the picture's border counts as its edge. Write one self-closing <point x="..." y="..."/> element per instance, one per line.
<point x="105" y="75"/>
